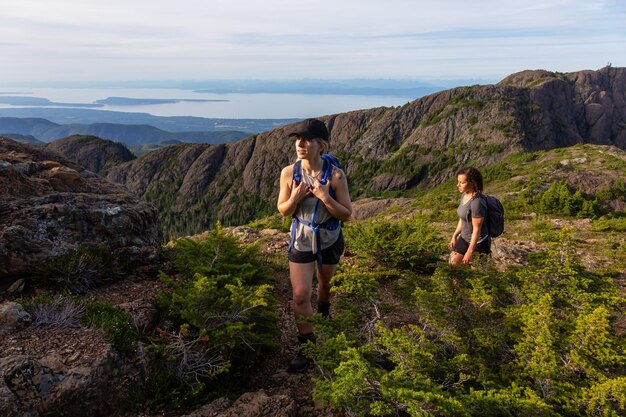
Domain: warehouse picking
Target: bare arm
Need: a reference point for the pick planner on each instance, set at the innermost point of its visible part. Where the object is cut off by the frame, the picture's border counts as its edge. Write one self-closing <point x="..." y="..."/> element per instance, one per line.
<point x="456" y="233"/>
<point x="477" y="223"/>
<point x="290" y="195"/>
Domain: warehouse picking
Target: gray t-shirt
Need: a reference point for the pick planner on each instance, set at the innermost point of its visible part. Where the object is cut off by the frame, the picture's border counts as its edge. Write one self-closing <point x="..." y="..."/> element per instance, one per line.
<point x="475" y="207"/>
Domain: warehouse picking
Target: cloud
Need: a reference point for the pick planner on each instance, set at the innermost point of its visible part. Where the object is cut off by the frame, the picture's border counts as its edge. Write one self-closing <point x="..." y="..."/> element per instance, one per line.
<point x="269" y="39"/>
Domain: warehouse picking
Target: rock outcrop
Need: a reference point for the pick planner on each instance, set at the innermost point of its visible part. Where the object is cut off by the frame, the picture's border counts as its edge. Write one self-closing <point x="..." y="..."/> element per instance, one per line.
<point x="50" y="206"/>
<point x="420" y="143"/>
<point x="72" y="373"/>
<point x="12" y="317"/>
<point x="93" y="153"/>
<point x="250" y="404"/>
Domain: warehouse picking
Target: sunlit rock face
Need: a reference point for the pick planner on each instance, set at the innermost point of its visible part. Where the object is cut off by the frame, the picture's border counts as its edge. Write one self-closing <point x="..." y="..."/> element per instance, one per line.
<point x="50" y="206"/>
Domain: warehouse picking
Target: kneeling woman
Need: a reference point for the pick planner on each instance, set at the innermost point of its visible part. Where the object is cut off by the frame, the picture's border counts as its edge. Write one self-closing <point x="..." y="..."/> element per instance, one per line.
<point x="471" y="234"/>
<point x="317" y="207"/>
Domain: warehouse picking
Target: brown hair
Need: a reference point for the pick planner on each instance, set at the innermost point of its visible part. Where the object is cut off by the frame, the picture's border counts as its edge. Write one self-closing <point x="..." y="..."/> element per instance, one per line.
<point x="474" y="178"/>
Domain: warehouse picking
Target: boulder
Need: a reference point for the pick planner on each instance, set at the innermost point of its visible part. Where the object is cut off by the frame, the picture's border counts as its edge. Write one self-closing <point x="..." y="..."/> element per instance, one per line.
<point x="50" y="207"/>
<point x="143" y="312"/>
<point x="12" y="317"/>
<point x="250" y="404"/>
<point x="46" y="386"/>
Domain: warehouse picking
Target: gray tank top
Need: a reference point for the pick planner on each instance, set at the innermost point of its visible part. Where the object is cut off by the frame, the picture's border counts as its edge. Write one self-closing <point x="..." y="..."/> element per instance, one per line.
<point x="305" y="238"/>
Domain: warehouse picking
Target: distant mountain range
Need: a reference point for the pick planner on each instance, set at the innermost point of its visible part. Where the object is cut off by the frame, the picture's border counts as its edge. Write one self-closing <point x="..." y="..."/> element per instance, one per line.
<point x="47" y="131"/>
<point x="31" y="140"/>
<point x="169" y="124"/>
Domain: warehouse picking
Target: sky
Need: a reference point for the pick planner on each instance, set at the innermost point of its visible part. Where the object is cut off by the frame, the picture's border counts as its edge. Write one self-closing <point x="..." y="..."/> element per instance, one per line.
<point x="122" y="40"/>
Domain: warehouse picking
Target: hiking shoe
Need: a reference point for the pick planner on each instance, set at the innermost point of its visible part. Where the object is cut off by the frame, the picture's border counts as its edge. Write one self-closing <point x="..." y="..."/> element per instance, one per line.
<point x="301" y="362"/>
<point x="323" y="307"/>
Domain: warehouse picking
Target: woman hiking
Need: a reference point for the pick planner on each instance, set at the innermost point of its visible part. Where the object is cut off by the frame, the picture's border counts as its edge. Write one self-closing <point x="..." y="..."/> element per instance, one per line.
<point x="314" y="192"/>
<point x="471" y="234"/>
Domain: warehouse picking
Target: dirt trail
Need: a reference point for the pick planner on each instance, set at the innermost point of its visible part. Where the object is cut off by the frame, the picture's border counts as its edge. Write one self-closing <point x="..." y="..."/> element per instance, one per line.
<point x="272" y="376"/>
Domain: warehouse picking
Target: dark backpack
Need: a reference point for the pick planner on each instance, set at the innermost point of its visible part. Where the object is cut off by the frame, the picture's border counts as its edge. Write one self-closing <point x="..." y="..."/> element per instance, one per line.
<point x="495" y="215"/>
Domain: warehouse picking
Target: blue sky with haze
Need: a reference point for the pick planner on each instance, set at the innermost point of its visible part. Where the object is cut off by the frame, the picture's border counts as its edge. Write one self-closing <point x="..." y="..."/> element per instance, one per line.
<point x="115" y="40"/>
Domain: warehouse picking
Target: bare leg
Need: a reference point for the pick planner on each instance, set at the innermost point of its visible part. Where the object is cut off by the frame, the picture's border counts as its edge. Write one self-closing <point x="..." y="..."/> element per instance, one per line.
<point x="301" y="276"/>
<point x="456" y="259"/>
<point x="324" y="275"/>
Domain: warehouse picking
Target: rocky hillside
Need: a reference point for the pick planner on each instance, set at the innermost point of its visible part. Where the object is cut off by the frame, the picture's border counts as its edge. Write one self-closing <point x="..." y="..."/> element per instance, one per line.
<point x="31" y="140"/>
<point x="51" y="207"/>
<point x="95" y="154"/>
<point x="47" y="363"/>
<point x="388" y="149"/>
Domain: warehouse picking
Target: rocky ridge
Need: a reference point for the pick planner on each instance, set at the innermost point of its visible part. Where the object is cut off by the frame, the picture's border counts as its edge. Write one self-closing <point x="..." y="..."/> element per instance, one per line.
<point x="387" y="149"/>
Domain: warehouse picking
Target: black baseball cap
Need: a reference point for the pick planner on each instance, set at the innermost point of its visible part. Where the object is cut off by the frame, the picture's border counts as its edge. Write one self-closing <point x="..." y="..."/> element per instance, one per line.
<point x="309" y="129"/>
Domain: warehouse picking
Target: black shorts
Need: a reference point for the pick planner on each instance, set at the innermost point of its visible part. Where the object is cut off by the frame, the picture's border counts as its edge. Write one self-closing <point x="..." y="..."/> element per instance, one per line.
<point x="461" y="246"/>
<point x="330" y="255"/>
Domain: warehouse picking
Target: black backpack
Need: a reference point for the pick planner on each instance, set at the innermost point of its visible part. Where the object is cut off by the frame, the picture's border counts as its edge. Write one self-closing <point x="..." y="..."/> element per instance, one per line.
<point x="495" y="215"/>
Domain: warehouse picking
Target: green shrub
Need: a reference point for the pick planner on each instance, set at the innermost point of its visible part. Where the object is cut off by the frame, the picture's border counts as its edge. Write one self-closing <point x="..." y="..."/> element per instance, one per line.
<point x="224" y="302"/>
<point x="275" y="221"/>
<point x="407" y="244"/>
<point x="220" y="317"/>
<point x="615" y="222"/>
<point x="535" y="340"/>
<point x="559" y="199"/>
<point x="117" y="325"/>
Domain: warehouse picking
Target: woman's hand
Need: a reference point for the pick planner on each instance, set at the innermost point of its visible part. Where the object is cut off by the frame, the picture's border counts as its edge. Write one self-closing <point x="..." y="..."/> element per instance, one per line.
<point x="321" y="191"/>
<point x="299" y="192"/>
<point x="452" y="241"/>
<point x="468" y="257"/>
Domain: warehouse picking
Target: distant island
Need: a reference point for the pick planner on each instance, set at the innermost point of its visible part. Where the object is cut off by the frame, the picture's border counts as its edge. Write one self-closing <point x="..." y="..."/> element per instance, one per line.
<point x="128" y="101"/>
<point x="40" y="101"/>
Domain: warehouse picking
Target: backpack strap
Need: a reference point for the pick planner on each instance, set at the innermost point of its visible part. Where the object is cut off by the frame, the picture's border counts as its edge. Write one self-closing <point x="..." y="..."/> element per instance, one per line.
<point x="327" y="170"/>
<point x="486" y="218"/>
<point x="329" y="161"/>
<point x="296" y="175"/>
<point x="330" y="224"/>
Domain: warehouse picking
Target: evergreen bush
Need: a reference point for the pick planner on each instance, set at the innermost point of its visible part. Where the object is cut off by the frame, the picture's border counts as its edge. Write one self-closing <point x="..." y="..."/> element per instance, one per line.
<point x="223" y="309"/>
<point x="559" y="199"/>
<point x="538" y="340"/>
<point x="408" y="243"/>
<point x="275" y="221"/>
<point x="615" y="222"/>
<point x="117" y="325"/>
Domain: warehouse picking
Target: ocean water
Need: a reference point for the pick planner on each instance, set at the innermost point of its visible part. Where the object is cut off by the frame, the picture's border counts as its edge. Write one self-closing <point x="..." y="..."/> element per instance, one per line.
<point x="231" y="106"/>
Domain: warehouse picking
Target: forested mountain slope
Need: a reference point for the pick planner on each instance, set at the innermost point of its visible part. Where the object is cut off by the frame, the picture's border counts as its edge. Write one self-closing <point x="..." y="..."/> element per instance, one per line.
<point x="387" y="150"/>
